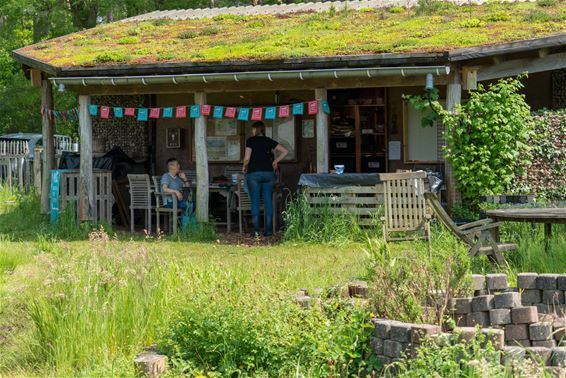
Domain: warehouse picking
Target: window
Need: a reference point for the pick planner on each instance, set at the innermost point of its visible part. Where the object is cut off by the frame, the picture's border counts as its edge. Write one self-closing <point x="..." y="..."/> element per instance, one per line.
<point x="421" y="144"/>
<point x="283" y="131"/>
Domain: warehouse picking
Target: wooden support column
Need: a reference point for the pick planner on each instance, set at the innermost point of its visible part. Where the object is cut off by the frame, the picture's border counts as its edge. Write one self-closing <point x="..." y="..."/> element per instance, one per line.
<point x="201" y="156"/>
<point x="321" y="132"/>
<point x="48" y="155"/>
<point x="453" y="98"/>
<point x="86" y="179"/>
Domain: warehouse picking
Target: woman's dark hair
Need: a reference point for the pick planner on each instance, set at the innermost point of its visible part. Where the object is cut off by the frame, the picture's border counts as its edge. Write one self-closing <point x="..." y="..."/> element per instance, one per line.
<point x="259" y="128"/>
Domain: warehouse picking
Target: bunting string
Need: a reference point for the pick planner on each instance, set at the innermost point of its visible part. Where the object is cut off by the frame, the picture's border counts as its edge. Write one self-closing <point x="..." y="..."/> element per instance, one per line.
<point x="65" y="115"/>
<point x="215" y="111"/>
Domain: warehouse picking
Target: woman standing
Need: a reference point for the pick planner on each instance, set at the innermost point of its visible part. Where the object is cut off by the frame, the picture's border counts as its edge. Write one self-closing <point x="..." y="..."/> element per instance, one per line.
<point x="259" y="167"/>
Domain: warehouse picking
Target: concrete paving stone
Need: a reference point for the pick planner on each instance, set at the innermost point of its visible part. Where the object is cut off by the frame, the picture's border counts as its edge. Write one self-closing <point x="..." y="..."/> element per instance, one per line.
<point x="544" y="308"/>
<point x="538" y="354"/>
<point x="495" y="336"/>
<point x="512" y="354"/>
<point x="561" y="282"/>
<point x="496" y="281"/>
<point x="543" y="343"/>
<point x="482" y="303"/>
<point x="421" y="331"/>
<point x="480" y="318"/>
<point x="462" y="305"/>
<point x="507" y="300"/>
<point x="521" y="315"/>
<point x="531" y="297"/>
<point x="500" y="316"/>
<point x="558" y="329"/>
<point x="547" y="281"/>
<point x="479" y="281"/>
<point x="552" y="297"/>
<point x="516" y="332"/>
<point x="540" y="331"/>
<point x="466" y="333"/>
<point x="558" y="356"/>
<point x="527" y="280"/>
<point x="384" y="360"/>
<point x="461" y="320"/>
<point x="392" y="348"/>
<point x="481" y="292"/>
<point x="400" y="332"/>
<point x="520" y="343"/>
<point x="382" y="328"/>
<point x="377" y="345"/>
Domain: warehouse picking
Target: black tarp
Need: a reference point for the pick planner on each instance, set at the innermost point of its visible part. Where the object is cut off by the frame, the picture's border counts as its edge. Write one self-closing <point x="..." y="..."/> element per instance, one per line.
<point x="115" y="160"/>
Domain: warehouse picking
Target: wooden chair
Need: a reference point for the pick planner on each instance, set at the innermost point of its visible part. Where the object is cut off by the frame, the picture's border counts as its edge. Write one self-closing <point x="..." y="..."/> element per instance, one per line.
<point x="244" y="204"/>
<point x="405" y="206"/>
<point x="140" y="198"/>
<point x="478" y="236"/>
<point x="172" y="212"/>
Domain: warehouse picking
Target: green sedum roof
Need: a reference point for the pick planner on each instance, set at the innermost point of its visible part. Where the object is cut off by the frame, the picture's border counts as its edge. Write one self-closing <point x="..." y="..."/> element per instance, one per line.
<point x="330" y="33"/>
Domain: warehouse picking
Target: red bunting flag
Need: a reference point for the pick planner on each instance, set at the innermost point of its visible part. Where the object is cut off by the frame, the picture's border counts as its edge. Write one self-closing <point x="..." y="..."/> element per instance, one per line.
<point x="205" y="110"/>
<point x="181" y="112"/>
<point x="230" y="112"/>
<point x="104" y="111"/>
<point x="154" y="112"/>
<point x="284" y="111"/>
<point x="257" y="113"/>
<point x="312" y="107"/>
<point x="130" y="112"/>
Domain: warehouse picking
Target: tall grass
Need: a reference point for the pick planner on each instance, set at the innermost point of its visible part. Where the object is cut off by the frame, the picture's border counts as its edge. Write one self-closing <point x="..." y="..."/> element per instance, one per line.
<point x="324" y="224"/>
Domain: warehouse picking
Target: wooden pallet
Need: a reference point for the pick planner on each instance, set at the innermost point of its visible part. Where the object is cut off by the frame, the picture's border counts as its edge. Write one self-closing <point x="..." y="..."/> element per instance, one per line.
<point x="364" y="202"/>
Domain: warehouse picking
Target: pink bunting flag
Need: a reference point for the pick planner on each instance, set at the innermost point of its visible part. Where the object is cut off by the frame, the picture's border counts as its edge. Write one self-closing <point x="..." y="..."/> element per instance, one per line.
<point x="104" y="112"/>
<point x="312" y="107"/>
<point x="205" y="110"/>
<point x="257" y="113"/>
<point x="284" y="111"/>
<point x="230" y="112"/>
<point x="154" y="112"/>
<point x="130" y="112"/>
<point x="181" y="112"/>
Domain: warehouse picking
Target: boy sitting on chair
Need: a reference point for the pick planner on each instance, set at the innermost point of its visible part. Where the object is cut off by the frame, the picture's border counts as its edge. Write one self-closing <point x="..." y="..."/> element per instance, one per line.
<point x="173" y="182"/>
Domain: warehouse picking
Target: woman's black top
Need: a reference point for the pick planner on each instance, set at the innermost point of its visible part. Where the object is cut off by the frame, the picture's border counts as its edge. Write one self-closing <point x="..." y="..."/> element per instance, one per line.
<point x="262" y="153"/>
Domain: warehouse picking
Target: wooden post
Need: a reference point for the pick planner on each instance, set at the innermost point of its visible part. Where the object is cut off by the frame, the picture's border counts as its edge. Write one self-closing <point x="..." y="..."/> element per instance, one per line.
<point x="201" y="162"/>
<point x="321" y="132"/>
<point x="86" y="182"/>
<point x="48" y="147"/>
<point x="453" y="98"/>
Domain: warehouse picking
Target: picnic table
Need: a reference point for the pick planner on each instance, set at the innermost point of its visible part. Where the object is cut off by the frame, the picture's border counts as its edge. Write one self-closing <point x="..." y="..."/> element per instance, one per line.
<point x="548" y="216"/>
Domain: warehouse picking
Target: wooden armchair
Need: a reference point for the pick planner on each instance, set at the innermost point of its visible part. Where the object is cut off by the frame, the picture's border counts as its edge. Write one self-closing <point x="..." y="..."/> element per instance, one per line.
<point x="478" y="236"/>
<point x="140" y="198"/>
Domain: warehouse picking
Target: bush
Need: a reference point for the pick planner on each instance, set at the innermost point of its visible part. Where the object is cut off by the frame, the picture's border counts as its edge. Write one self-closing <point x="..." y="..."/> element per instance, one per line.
<point x="189" y="34"/>
<point x="404" y="290"/>
<point x="322" y="225"/>
<point x="472" y="23"/>
<point x="547" y="3"/>
<point x="128" y="40"/>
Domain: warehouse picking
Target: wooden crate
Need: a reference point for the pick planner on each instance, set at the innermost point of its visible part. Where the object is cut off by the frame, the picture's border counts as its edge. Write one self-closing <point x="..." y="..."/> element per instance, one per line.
<point x="103" y="200"/>
<point x="365" y="202"/>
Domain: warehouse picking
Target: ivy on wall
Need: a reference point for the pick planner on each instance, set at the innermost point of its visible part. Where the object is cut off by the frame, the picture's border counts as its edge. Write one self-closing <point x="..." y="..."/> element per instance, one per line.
<point x="546" y="176"/>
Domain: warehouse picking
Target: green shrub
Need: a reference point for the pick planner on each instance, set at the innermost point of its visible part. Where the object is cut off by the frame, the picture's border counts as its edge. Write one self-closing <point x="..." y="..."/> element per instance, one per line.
<point x="324" y="224"/>
<point x="395" y="10"/>
<point x="498" y="16"/>
<point x="189" y="34"/>
<point x="106" y="57"/>
<point x="538" y="16"/>
<point x="547" y="3"/>
<point x="210" y="30"/>
<point x="128" y="40"/>
<point x="472" y="23"/>
<point x="405" y="290"/>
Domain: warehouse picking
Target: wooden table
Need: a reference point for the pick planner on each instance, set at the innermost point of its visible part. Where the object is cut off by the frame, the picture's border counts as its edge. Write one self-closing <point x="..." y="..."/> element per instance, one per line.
<point x="548" y="216"/>
<point x="226" y="191"/>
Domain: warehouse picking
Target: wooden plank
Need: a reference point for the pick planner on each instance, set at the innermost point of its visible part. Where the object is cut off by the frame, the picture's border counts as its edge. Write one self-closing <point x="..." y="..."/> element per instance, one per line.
<point x="453" y="98"/>
<point x="36" y="78"/>
<point x="518" y="66"/>
<point x="346" y="200"/>
<point x="201" y="162"/>
<point x="86" y="183"/>
<point x="347" y="189"/>
<point x="47" y="128"/>
<point x="322" y="150"/>
<point x="469" y="78"/>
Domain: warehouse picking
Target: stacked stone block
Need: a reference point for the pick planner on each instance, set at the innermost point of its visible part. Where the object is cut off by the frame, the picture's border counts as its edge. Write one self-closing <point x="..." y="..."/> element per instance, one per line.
<point x="545" y="291"/>
<point x="391" y="340"/>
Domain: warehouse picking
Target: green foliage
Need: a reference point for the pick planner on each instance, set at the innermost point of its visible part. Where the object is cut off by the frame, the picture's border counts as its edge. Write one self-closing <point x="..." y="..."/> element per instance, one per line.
<point x="395" y="9"/>
<point x="486" y="137"/>
<point x="538" y="16"/>
<point x="324" y="224"/>
<point x="106" y="57"/>
<point x="472" y="23"/>
<point x="498" y="16"/>
<point x="547" y="3"/>
<point x="406" y="291"/>
<point x="188" y="34"/>
<point x="128" y="40"/>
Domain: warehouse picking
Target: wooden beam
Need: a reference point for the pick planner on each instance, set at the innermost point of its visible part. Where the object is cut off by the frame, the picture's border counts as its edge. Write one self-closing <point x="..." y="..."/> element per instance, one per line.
<point x="321" y="94"/>
<point x="518" y="66"/>
<point x="201" y="156"/>
<point x="35" y="77"/>
<point x="86" y="181"/>
<point x="469" y="78"/>
<point x="47" y="129"/>
<point x="255" y="86"/>
<point x="453" y="98"/>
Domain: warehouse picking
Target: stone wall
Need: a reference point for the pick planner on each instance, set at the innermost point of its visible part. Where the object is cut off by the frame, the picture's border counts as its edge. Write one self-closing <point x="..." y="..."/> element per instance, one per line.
<point x="559" y="89"/>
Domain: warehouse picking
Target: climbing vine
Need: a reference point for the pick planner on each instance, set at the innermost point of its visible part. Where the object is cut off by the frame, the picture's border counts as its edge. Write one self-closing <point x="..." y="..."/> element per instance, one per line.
<point x="486" y="136"/>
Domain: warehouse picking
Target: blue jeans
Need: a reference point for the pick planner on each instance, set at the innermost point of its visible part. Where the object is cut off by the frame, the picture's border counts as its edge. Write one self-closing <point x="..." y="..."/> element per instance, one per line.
<point x="260" y="184"/>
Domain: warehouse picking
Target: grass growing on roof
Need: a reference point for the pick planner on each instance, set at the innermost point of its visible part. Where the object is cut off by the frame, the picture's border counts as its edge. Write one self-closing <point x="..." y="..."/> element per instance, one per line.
<point x="273" y="37"/>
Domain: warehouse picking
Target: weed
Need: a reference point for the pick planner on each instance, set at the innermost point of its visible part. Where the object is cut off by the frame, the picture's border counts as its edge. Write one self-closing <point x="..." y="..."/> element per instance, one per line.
<point x="472" y="23"/>
<point x="105" y="57"/>
<point x="395" y="10"/>
<point x="210" y="30"/>
<point x="538" y="16"/>
<point x="547" y="3"/>
<point x="188" y="34"/>
<point x="128" y="40"/>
